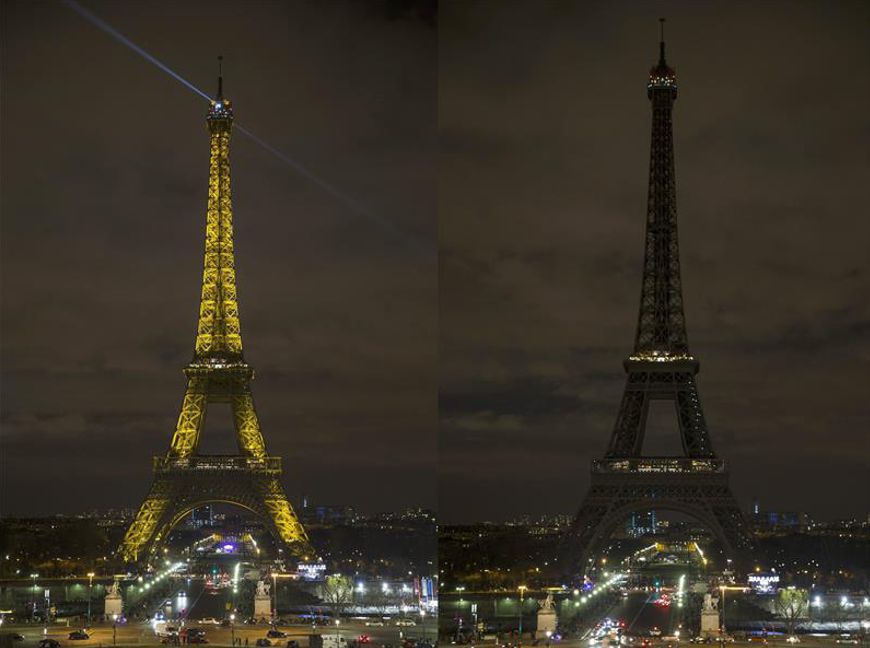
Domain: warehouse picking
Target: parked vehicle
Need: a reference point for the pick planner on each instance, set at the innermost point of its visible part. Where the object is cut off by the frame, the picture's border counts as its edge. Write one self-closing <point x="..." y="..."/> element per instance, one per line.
<point x="262" y="641"/>
<point x="326" y="641"/>
<point x="49" y="643"/>
<point x="274" y="633"/>
<point x="79" y="635"/>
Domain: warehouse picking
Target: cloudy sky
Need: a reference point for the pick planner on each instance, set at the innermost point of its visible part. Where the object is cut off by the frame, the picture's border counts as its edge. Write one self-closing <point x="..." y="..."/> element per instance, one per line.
<point x="544" y="127"/>
<point x="104" y="178"/>
<point x="516" y="138"/>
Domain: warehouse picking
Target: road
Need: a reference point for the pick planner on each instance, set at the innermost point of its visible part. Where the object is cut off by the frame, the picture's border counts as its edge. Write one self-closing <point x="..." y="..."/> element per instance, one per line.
<point x="641" y="614"/>
<point x="141" y="634"/>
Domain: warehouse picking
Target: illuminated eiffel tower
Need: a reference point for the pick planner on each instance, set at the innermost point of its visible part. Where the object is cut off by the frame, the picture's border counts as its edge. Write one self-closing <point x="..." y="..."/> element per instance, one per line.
<point x="661" y="368"/>
<point x="218" y="373"/>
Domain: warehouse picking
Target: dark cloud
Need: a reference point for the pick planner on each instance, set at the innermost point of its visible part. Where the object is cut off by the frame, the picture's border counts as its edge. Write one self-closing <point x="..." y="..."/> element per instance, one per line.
<point x="544" y="126"/>
<point x="104" y="170"/>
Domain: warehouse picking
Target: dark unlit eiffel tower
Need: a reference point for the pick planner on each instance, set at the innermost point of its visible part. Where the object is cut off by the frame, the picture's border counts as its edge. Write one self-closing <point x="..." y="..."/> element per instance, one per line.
<point x="661" y="367"/>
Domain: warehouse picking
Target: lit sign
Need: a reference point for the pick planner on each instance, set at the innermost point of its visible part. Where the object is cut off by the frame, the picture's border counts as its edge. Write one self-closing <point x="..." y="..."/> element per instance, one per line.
<point x="763" y="583"/>
<point x="311" y="571"/>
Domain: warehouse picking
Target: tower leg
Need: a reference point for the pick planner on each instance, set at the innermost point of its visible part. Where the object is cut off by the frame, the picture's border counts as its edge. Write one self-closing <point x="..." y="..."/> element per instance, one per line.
<point x="281" y="514"/>
<point x="247" y="426"/>
<point x="190" y="421"/>
<point x="142" y="530"/>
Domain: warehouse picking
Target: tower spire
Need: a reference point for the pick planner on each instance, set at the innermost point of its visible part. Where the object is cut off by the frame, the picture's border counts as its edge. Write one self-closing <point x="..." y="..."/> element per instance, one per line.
<point x="220" y="92"/>
<point x="661" y="41"/>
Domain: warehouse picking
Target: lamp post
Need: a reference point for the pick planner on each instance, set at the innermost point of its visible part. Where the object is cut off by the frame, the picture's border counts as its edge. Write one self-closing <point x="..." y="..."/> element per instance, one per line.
<point x="233" y="627"/>
<point x="275" y="595"/>
<point x="47" y="611"/>
<point x="549" y="634"/>
<point x="33" y="597"/>
<point x="423" y="620"/>
<point x="337" y="637"/>
<point x="114" y="629"/>
<point x="522" y="589"/>
<point x="90" y="585"/>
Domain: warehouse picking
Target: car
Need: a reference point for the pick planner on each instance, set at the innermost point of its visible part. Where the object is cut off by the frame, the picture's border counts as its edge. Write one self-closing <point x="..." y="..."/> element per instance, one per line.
<point x="374" y="623"/>
<point x="847" y="639"/>
<point x="79" y="635"/>
<point x="757" y="639"/>
<point x="364" y="638"/>
<point x="655" y="631"/>
<point x="274" y="633"/>
<point x="262" y="641"/>
<point x="49" y="643"/>
<point x="209" y="620"/>
<point x="793" y="639"/>
<point x="407" y="623"/>
<point x="226" y="623"/>
<point x="15" y="636"/>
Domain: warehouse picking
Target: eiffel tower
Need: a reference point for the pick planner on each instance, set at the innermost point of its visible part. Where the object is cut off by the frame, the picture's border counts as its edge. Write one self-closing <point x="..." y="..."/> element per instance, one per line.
<point x="660" y="368"/>
<point x="218" y="373"/>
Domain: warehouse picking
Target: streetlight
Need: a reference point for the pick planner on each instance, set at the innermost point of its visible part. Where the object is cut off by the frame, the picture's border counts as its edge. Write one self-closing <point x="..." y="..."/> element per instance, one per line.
<point x="522" y="589"/>
<point x="115" y="629"/>
<point x="47" y="610"/>
<point x="33" y="596"/>
<point x="233" y="627"/>
<point x="90" y="585"/>
<point x="549" y="634"/>
<point x="275" y="595"/>
<point x="337" y="636"/>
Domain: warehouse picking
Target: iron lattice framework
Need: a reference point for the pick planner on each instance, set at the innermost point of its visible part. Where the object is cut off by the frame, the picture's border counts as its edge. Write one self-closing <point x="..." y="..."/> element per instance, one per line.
<point x="218" y="373"/>
<point x="660" y="368"/>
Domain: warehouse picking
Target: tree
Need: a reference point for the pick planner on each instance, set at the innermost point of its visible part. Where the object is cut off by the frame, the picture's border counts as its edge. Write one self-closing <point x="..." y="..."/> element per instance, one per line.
<point x="337" y="594"/>
<point x="791" y="606"/>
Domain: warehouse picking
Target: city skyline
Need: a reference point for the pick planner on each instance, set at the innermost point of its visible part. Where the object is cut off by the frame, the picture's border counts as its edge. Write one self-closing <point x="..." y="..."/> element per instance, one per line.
<point x="420" y="323"/>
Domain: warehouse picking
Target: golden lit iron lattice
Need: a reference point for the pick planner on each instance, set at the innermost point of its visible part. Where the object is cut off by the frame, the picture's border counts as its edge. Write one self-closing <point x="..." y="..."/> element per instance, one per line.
<point x="184" y="479"/>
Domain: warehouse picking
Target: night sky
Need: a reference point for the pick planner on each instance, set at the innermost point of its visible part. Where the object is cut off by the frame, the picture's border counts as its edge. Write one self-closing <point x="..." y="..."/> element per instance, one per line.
<point x="545" y="128"/>
<point x="104" y="179"/>
<point x="513" y="140"/>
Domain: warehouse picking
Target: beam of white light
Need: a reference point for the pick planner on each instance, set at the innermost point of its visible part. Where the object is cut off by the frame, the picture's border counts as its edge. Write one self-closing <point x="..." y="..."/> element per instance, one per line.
<point x="348" y="202"/>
